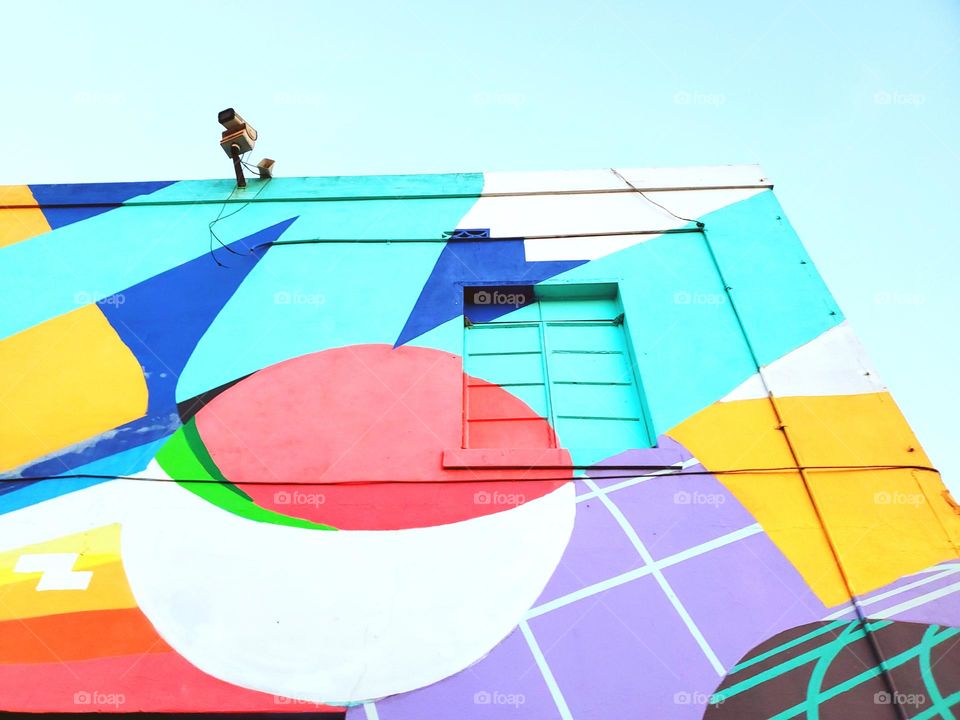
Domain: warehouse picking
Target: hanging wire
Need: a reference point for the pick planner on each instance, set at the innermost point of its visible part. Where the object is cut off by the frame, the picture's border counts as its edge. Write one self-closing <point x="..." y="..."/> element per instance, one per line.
<point x="642" y="194"/>
<point x="220" y="217"/>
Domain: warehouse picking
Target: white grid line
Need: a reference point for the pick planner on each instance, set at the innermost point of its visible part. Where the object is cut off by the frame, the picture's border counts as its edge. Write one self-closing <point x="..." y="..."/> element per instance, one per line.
<point x="637" y="480"/>
<point x="661" y="579"/>
<point x="890" y="593"/>
<point x="626" y="577"/>
<point x="916" y="602"/>
<point x="546" y="672"/>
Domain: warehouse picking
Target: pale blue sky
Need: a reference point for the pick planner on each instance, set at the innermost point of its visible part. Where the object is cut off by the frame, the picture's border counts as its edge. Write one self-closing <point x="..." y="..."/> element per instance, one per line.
<point x="851" y="108"/>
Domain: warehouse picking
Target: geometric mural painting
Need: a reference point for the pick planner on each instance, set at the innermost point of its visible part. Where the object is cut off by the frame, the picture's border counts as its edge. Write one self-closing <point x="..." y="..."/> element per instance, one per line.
<point x="454" y="446"/>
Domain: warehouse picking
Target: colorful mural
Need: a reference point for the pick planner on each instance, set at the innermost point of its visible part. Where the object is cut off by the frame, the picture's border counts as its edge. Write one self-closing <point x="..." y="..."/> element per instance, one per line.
<point x="571" y="445"/>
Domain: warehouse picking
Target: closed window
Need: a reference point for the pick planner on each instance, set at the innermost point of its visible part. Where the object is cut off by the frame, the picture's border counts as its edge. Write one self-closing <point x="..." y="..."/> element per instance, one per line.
<point x="565" y="353"/>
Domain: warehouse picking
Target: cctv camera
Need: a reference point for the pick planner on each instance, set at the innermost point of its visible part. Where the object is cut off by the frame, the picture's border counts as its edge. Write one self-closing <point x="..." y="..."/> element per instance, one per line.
<point x="237" y="132"/>
<point x="233" y="122"/>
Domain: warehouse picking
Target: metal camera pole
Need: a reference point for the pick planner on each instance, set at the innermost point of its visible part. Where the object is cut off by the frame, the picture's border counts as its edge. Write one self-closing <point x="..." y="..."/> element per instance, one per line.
<point x="237" y="168"/>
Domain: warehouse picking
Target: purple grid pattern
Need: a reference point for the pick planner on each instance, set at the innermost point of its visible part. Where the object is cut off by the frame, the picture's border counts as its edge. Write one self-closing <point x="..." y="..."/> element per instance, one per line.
<point x="614" y="649"/>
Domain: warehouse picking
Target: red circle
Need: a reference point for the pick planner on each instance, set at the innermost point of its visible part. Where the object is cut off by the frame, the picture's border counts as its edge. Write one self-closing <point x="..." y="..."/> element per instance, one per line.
<point x="353" y="437"/>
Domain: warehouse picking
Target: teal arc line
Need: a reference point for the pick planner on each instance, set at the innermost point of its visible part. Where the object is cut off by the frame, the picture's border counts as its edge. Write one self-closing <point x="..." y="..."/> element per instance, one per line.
<point x="793" y="663"/>
<point x="815" y="684"/>
<point x="787" y="645"/>
<point x="887" y="665"/>
<point x="937" y="701"/>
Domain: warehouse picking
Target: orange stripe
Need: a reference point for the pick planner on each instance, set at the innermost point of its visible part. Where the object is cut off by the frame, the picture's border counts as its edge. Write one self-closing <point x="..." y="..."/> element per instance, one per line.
<point x="78" y="636"/>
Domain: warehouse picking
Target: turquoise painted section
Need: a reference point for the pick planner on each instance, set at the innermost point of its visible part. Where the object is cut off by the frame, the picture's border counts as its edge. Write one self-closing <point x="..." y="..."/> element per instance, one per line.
<point x="782" y="300"/>
<point x="448" y="337"/>
<point x="80" y="263"/>
<point x="687" y="343"/>
<point x="306" y="298"/>
<point x="685" y="338"/>
<point x="567" y="358"/>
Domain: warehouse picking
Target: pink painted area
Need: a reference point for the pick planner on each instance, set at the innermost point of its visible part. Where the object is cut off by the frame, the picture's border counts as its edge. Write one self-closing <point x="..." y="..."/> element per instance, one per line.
<point x="156" y="682"/>
<point x="366" y="427"/>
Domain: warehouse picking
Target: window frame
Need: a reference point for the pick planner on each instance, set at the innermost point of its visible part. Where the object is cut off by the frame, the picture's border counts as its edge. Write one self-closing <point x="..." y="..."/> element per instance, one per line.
<point x="568" y="290"/>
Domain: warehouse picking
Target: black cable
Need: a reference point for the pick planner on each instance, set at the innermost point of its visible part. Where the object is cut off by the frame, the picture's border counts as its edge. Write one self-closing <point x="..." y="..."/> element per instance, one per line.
<point x="366" y="198"/>
<point x="699" y="224"/>
<point x="220" y="217"/>
<point x="656" y="471"/>
<point x="560" y="236"/>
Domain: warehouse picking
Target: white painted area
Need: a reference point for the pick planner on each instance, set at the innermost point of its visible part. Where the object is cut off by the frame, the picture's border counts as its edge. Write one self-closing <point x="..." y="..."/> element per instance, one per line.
<point x="336" y="616"/>
<point x="75" y="512"/>
<point x="57" y="569"/>
<point x="550" y="181"/>
<point x="834" y="363"/>
<point x="590" y="214"/>
<point x="750" y="389"/>
<point x="333" y="617"/>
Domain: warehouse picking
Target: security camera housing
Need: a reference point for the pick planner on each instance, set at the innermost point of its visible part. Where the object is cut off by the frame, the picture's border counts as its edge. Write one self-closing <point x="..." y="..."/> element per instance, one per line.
<point x="238" y="132"/>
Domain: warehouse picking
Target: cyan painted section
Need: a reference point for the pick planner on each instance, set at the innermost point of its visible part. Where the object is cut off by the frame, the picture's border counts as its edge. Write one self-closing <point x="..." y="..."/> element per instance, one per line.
<point x="782" y="300"/>
<point x="688" y="345"/>
<point x="684" y="335"/>
<point x="87" y="261"/>
<point x="305" y="298"/>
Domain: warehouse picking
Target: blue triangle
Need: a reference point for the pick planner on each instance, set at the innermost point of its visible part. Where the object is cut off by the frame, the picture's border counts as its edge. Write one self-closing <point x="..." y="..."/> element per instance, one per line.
<point x="103" y="197"/>
<point x="479" y="262"/>
<point x="161" y="320"/>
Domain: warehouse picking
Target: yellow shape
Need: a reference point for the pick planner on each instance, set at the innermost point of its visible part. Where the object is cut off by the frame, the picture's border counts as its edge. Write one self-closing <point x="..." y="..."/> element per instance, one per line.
<point x="63" y="381"/>
<point x="19" y="223"/>
<point x="745" y="435"/>
<point x="884" y="523"/>
<point x="864" y="429"/>
<point x="98" y="550"/>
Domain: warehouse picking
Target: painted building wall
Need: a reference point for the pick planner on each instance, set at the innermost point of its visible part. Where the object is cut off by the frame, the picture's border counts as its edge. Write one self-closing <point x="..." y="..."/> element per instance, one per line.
<point x="269" y="450"/>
